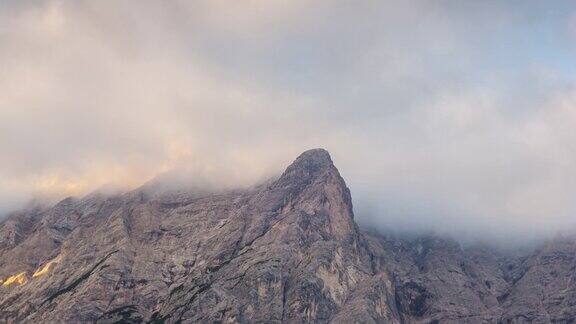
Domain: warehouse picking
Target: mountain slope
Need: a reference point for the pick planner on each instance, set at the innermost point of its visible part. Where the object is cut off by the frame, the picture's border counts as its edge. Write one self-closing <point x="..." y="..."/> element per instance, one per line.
<point x="285" y="251"/>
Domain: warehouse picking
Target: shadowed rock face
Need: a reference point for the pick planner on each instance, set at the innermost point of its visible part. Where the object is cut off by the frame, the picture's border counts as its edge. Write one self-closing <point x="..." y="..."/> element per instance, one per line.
<point x="286" y="251"/>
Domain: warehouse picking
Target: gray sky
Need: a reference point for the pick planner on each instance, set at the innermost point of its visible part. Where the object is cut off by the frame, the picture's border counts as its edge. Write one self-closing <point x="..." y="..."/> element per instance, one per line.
<point x="454" y="116"/>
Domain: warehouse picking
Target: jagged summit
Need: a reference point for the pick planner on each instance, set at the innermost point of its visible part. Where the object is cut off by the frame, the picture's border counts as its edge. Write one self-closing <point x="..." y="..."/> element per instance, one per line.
<point x="288" y="251"/>
<point x="310" y="163"/>
<point x="317" y="157"/>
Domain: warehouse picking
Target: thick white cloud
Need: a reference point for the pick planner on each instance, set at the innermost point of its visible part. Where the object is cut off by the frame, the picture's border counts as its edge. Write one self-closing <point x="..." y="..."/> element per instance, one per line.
<point x="449" y="116"/>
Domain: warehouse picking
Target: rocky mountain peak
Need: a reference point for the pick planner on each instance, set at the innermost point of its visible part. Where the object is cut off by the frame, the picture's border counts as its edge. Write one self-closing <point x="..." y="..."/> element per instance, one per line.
<point x="313" y="159"/>
<point x="309" y="166"/>
<point x="287" y="251"/>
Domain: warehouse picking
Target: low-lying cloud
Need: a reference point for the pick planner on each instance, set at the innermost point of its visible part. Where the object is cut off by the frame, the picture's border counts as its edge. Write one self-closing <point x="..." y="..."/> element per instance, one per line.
<point x="448" y="116"/>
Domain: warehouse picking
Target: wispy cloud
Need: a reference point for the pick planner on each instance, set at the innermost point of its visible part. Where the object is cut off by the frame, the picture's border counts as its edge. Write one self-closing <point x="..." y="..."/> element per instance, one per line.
<point x="450" y="116"/>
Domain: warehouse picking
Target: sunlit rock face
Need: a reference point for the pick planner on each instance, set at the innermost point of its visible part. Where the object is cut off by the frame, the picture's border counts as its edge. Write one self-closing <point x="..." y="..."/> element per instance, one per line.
<point x="285" y="251"/>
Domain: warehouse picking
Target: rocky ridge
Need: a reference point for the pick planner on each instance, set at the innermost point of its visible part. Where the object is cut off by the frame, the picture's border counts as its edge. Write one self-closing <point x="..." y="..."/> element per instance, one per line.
<point x="285" y="251"/>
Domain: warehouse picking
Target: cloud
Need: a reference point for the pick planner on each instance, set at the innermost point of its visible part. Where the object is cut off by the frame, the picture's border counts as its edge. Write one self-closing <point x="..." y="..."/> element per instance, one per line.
<point x="447" y="116"/>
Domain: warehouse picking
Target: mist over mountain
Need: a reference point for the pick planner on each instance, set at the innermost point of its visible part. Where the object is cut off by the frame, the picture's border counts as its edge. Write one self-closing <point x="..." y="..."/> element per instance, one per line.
<point x="155" y="161"/>
<point x="288" y="250"/>
<point x="449" y="116"/>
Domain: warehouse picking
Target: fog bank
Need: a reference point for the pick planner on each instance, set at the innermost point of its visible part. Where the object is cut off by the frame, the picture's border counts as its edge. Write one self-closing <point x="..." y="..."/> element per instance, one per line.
<point x="447" y="116"/>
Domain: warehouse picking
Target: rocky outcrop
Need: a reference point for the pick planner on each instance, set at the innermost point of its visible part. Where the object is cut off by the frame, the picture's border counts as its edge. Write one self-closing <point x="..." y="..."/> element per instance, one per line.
<point x="285" y="251"/>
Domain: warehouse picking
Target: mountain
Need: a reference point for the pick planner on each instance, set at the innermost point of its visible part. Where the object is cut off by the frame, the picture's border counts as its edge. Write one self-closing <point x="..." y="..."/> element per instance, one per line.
<point x="284" y="251"/>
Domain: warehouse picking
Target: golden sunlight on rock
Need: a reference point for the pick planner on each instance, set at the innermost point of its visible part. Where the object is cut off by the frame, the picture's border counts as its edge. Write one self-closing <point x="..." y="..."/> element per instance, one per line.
<point x="22" y="277"/>
<point x="19" y="278"/>
<point x="45" y="268"/>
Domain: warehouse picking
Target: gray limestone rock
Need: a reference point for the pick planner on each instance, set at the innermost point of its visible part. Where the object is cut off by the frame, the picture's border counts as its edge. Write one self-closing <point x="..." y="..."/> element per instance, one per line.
<point x="284" y="251"/>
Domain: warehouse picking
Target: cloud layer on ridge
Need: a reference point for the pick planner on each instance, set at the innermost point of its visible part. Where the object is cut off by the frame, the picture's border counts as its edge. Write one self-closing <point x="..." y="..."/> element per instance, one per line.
<point x="448" y="116"/>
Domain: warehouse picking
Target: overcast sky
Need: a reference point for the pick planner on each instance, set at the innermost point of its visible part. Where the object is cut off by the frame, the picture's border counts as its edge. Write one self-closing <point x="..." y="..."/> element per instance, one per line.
<point x="453" y="116"/>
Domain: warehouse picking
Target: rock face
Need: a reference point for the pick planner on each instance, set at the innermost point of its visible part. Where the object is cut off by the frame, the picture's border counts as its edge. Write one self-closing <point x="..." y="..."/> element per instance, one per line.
<point x="285" y="251"/>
